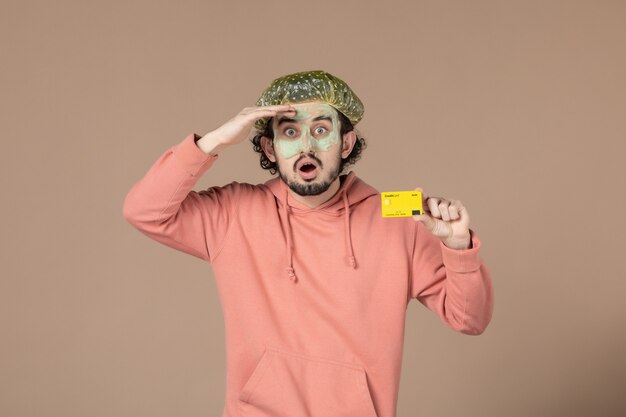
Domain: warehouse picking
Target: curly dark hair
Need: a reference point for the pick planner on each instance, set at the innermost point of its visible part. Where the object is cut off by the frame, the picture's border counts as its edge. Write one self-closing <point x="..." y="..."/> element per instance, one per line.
<point x="345" y="126"/>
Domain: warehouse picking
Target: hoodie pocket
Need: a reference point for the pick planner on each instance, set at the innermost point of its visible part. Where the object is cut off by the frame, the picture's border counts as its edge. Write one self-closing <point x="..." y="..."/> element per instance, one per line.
<point x="290" y="384"/>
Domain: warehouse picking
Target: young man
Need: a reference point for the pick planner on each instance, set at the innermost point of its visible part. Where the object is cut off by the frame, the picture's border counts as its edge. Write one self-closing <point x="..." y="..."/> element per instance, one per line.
<point x="314" y="283"/>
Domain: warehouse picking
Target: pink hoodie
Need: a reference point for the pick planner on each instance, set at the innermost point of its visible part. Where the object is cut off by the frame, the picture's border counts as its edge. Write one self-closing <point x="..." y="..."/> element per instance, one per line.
<point x="314" y="299"/>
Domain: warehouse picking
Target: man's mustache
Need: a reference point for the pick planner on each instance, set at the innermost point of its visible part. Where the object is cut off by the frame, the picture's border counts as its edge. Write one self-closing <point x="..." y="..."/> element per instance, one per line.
<point x="312" y="156"/>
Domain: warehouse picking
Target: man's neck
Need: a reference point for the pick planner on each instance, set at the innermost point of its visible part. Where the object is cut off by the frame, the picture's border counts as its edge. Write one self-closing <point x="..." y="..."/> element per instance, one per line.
<point x="317" y="200"/>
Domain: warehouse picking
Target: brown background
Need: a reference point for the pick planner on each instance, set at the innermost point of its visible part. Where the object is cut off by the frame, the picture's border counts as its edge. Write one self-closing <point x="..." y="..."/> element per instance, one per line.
<point x="516" y="108"/>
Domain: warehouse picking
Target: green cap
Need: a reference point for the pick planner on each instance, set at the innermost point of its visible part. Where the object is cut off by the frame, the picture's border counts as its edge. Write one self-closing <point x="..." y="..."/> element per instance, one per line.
<point x="311" y="86"/>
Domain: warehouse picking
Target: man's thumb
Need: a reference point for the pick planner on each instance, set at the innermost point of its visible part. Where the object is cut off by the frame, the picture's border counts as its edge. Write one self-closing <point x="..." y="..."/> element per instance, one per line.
<point x="426" y="219"/>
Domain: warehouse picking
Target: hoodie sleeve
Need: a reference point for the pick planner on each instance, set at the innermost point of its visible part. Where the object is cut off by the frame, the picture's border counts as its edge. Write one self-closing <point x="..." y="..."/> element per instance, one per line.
<point x="163" y="206"/>
<point x="455" y="284"/>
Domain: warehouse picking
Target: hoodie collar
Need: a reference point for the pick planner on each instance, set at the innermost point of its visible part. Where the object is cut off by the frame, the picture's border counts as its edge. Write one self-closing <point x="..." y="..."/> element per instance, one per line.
<point x="351" y="192"/>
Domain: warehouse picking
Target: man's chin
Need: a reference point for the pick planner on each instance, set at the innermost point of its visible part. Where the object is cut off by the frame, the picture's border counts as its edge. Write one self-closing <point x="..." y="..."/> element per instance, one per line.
<point x="310" y="187"/>
<point x="316" y="185"/>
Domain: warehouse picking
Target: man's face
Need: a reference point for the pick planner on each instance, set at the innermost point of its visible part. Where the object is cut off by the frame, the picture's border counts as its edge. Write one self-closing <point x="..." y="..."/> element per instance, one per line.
<point x="308" y="147"/>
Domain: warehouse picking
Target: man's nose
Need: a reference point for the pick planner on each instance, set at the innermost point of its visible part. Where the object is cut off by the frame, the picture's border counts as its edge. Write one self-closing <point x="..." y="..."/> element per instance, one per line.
<point x="307" y="142"/>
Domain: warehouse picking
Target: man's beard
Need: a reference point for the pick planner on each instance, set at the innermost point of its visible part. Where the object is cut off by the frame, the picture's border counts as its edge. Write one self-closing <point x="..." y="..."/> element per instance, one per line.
<point x="311" y="188"/>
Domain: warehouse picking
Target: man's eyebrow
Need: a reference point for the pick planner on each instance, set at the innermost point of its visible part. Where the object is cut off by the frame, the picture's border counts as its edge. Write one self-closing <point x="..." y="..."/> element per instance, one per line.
<point x="322" y="118"/>
<point x="284" y="119"/>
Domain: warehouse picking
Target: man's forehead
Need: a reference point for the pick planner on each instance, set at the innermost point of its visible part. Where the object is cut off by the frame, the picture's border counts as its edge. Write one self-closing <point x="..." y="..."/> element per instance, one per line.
<point x="309" y="110"/>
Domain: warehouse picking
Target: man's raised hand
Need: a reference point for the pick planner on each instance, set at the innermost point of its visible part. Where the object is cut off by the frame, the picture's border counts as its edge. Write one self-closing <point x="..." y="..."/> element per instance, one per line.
<point x="446" y="219"/>
<point x="240" y="127"/>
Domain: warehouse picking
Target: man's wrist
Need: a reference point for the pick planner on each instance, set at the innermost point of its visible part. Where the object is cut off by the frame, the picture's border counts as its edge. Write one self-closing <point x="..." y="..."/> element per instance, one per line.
<point x="460" y="244"/>
<point x="209" y="145"/>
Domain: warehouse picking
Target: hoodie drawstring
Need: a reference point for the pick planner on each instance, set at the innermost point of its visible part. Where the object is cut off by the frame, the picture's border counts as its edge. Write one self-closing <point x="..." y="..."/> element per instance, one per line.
<point x="351" y="258"/>
<point x="348" y="235"/>
<point x="290" y="272"/>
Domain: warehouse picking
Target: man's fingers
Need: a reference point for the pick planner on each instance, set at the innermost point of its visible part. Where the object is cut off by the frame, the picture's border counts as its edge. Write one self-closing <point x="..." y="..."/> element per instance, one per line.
<point x="454" y="211"/>
<point x="443" y="209"/>
<point x="267" y="111"/>
<point x="463" y="214"/>
<point x="426" y="219"/>
<point x="274" y="109"/>
<point x="457" y="210"/>
<point x="440" y="208"/>
<point x="433" y="206"/>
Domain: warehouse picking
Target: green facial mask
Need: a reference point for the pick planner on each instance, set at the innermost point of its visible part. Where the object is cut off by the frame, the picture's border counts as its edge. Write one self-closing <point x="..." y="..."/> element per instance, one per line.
<point x="305" y="135"/>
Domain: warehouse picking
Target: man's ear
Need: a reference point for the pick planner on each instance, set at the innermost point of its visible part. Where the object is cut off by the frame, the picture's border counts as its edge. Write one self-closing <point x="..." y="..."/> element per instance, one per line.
<point x="268" y="147"/>
<point x="349" y="139"/>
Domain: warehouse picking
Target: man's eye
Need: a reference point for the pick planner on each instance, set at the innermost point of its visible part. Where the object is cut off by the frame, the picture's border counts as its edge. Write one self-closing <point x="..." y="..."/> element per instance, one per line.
<point x="290" y="132"/>
<point x="319" y="130"/>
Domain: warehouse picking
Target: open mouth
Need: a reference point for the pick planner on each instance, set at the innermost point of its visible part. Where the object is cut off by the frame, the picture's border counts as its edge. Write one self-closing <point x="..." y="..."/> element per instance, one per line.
<point x="307" y="168"/>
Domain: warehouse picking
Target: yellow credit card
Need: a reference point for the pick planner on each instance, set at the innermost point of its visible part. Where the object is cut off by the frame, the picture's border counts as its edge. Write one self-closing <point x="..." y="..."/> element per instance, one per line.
<point x="401" y="203"/>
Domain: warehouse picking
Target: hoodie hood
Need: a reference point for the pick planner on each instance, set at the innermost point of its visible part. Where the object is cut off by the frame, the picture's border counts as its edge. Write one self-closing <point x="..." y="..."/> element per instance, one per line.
<point x="351" y="192"/>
